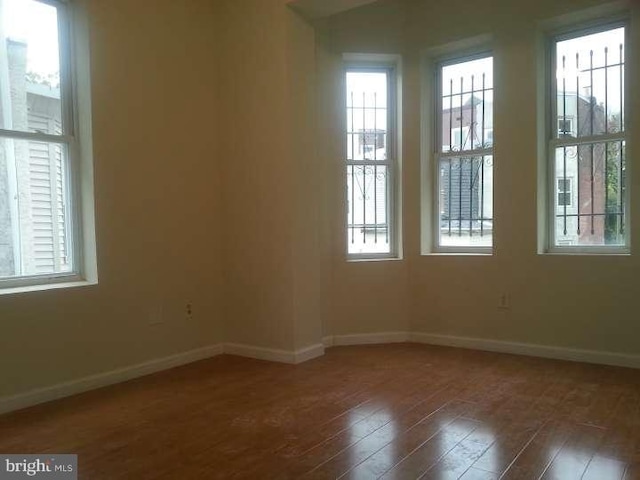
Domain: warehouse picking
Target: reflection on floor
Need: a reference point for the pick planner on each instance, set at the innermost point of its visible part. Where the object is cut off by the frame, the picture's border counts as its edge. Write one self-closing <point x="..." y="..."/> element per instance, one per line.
<point x="395" y="411"/>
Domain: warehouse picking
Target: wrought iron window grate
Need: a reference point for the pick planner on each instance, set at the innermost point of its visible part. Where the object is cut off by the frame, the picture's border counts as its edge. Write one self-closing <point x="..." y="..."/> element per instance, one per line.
<point x="369" y="163"/>
<point x="588" y="148"/>
<point x="465" y="153"/>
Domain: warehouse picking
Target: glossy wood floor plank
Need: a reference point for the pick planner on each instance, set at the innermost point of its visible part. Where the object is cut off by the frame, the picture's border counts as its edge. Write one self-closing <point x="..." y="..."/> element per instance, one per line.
<point x="397" y="411"/>
<point x="365" y="447"/>
<point x="574" y="456"/>
<point x="430" y="452"/>
<point x="536" y="457"/>
<point x="602" y="467"/>
<point x="409" y="440"/>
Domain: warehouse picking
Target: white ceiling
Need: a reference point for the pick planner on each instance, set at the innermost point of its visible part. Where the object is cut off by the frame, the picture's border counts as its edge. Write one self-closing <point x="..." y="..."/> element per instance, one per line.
<point x="314" y="9"/>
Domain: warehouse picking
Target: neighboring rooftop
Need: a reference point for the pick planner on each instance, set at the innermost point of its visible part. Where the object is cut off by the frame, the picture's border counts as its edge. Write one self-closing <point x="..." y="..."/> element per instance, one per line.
<point x="43" y="90"/>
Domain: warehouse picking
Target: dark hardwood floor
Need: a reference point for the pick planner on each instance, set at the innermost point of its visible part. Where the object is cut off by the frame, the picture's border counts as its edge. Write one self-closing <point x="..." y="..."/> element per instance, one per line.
<point x="394" y="411"/>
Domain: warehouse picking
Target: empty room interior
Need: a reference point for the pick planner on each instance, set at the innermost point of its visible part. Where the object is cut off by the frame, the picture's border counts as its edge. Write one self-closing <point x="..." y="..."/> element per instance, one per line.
<point x="320" y="239"/>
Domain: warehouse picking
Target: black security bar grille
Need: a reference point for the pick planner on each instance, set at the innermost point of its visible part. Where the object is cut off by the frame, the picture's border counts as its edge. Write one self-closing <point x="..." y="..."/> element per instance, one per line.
<point x="590" y="159"/>
<point x="463" y="196"/>
<point x="465" y="153"/>
<point x="368" y="167"/>
<point x="465" y="126"/>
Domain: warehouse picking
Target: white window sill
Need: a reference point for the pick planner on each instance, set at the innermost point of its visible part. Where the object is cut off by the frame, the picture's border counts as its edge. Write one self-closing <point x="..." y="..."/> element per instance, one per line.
<point x="71" y="282"/>
<point x="373" y="259"/>
<point x="457" y="250"/>
<point x="457" y="254"/>
<point x="587" y="253"/>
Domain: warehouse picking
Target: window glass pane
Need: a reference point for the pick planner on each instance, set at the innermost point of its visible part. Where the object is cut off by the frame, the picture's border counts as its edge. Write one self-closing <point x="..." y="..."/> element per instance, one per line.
<point x="368" y="212"/>
<point x="29" y="67"/>
<point x="466" y="201"/>
<point x="590" y="84"/>
<point x="467" y="105"/>
<point x="34" y="209"/>
<point x="590" y="210"/>
<point x="368" y="171"/>
<point x="367" y="116"/>
<point x="465" y="180"/>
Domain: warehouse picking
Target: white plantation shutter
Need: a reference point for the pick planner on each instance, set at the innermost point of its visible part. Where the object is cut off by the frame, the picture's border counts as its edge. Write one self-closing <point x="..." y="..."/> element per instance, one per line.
<point x="46" y="183"/>
<point x="60" y="206"/>
<point x="41" y="206"/>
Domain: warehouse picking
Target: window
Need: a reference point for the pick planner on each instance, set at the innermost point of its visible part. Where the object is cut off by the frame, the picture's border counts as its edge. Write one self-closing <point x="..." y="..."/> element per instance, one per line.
<point x="565" y="127"/>
<point x="589" y="212"/>
<point x="564" y="192"/>
<point x="38" y="145"/>
<point x="464" y="155"/>
<point x="370" y="162"/>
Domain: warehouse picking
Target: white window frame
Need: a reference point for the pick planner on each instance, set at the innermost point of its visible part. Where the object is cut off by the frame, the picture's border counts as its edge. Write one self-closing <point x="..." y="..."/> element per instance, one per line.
<point x="390" y="65"/>
<point x="437" y="155"/>
<point x="551" y="130"/>
<point x="83" y="272"/>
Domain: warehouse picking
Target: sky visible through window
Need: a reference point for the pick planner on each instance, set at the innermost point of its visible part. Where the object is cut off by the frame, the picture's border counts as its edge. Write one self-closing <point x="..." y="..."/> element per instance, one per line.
<point x="465" y="71"/>
<point x="367" y="112"/>
<point x="35" y="24"/>
<point x="577" y="55"/>
<point x="465" y="180"/>
<point x="368" y="177"/>
<point x="590" y="176"/>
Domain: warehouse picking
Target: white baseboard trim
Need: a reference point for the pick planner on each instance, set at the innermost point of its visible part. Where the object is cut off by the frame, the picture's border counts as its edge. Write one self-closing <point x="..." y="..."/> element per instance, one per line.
<point x="309" y="353"/>
<point x="369" y="338"/>
<point x="516" y="348"/>
<point x="54" y="392"/>
<point x="73" y="387"/>
<point x="259" y="353"/>
<point x="533" y="350"/>
<point x="66" y="389"/>
<point x="274" y="355"/>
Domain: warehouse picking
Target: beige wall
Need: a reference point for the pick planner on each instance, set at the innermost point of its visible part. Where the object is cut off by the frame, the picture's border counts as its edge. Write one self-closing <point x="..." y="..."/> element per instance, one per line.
<point x="157" y="194"/>
<point x="362" y="297"/>
<point x="309" y="254"/>
<point x="576" y="301"/>
<point x="270" y="187"/>
<point x="219" y="181"/>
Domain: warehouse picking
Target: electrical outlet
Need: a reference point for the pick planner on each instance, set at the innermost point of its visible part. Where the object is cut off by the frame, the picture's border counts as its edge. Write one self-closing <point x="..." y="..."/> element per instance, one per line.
<point x="504" y="301"/>
<point x="189" y="311"/>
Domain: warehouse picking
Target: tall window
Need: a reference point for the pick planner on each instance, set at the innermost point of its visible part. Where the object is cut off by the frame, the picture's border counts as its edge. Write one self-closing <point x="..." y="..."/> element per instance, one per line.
<point x="37" y="144"/>
<point x="370" y="162"/>
<point x="588" y="145"/>
<point x="464" y="155"/>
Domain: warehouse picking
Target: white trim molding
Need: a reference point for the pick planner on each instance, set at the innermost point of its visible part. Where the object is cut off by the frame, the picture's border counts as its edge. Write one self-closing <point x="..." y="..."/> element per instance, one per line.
<point x="501" y="346"/>
<point x="91" y="382"/>
<point x="73" y="387"/>
<point x="530" y="349"/>
<point x="309" y="353"/>
<point x="259" y="353"/>
<point x="315" y="9"/>
<point x="367" y="338"/>
<point x="275" y="355"/>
